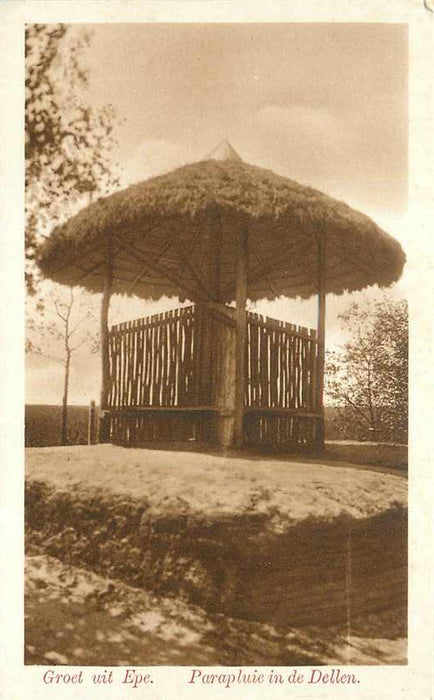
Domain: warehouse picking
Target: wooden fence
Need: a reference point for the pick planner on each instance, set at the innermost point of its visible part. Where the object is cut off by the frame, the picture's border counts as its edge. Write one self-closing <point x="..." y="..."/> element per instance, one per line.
<point x="280" y="388"/>
<point x="154" y="367"/>
<point x="152" y="361"/>
<point x="170" y="378"/>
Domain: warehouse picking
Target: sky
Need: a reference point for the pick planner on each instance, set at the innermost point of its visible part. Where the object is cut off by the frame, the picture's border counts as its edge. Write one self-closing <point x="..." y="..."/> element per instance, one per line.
<point x="323" y="104"/>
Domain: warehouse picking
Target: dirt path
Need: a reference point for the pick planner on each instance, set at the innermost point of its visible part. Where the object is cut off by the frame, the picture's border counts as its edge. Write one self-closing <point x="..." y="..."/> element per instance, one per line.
<point x="75" y="617"/>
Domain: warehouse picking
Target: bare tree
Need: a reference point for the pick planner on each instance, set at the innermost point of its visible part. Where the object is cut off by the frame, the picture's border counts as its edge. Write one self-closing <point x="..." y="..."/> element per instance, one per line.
<point x="61" y="330"/>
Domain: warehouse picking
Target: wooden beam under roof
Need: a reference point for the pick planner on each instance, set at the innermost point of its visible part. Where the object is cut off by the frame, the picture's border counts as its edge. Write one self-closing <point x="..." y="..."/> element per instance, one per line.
<point x="155" y="259"/>
<point x="167" y="274"/>
<point x="188" y="264"/>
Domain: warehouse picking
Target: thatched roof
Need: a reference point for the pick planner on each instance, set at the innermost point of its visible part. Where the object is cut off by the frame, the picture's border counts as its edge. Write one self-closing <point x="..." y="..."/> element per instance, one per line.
<point x="166" y="234"/>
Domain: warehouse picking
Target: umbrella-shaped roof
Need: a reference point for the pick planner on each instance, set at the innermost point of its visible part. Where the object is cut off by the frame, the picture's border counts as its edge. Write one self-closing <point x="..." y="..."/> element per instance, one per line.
<point x="175" y="234"/>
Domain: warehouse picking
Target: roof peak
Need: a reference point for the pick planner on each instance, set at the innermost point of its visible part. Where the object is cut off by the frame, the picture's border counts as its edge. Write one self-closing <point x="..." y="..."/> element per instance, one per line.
<point x="224" y="151"/>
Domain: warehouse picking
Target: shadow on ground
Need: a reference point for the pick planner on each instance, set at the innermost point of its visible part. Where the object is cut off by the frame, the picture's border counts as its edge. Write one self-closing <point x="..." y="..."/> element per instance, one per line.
<point x="75" y="617"/>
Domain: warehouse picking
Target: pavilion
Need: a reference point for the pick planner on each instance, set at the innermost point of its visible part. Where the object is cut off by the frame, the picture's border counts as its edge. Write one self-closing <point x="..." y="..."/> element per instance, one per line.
<point x="216" y="232"/>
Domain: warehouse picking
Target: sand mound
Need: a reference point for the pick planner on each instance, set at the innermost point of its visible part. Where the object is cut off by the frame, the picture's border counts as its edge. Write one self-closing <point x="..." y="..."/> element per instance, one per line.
<point x="271" y="541"/>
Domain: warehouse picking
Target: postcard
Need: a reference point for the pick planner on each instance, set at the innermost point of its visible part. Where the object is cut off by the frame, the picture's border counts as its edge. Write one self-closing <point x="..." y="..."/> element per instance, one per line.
<point x="216" y="350"/>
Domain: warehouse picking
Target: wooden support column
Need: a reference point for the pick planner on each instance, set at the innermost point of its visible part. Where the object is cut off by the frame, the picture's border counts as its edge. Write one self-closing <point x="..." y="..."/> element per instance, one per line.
<point x="104" y="423"/>
<point x="320" y="435"/>
<point x="215" y="265"/>
<point x="240" y="329"/>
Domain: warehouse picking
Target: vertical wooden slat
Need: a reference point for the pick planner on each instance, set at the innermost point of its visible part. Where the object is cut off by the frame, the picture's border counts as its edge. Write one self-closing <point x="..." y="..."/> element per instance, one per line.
<point x="110" y="354"/>
<point x="254" y="364"/>
<point x="124" y="365"/>
<point x="118" y="364"/>
<point x="274" y="367"/>
<point x="156" y="366"/>
<point x="247" y="366"/>
<point x="175" y="360"/>
<point x="129" y="354"/>
<point x="313" y="361"/>
<point x="162" y="352"/>
<point x="287" y="361"/>
<point x="263" y="366"/>
<point x="186" y="357"/>
<point x="119" y="368"/>
<point x="144" y="389"/>
<point x="172" y="371"/>
<point x="198" y="333"/>
<point x="180" y="363"/>
<point x="186" y="360"/>
<point x="129" y="360"/>
<point x="177" y="351"/>
<point x="298" y="371"/>
<point x="281" y="369"/>
<point x="142" y="366"/>
<point x="304" y="371"/>
<point x="128" y="338"/>
<point x="135" y="366"/>
<point x="149" y="342"/>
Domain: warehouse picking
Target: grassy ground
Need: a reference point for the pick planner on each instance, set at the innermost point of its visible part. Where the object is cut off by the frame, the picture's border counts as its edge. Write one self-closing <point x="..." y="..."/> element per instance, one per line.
<point x="293" y="562"/>
<point x="382" y="455"/>
<point x="43" y="425"/>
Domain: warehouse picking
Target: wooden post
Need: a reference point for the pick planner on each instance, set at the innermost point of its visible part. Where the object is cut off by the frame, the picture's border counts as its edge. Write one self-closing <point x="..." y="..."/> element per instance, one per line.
<point x="320" y="435"/>
<point x="216" y="258"/>
<point x="104" y="421"/>
<point x="91" y="424"/>
<point x="240" y="329"/>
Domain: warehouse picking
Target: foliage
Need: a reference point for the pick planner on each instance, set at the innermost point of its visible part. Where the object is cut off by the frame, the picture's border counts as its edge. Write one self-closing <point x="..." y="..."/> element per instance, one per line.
<point x="368" y="376"/>
<point x="68" y="143"/>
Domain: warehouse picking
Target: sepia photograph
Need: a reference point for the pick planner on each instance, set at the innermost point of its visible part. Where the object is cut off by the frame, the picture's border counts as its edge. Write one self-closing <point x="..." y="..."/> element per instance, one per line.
<point x="216" y="418"/>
